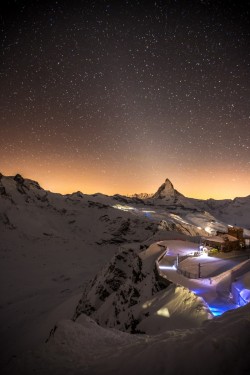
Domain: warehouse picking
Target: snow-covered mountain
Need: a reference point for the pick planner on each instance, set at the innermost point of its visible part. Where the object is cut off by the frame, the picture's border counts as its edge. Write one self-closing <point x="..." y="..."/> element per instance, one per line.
<point x="230" y="211"/>
<point x="23" y="201"/>
<point x="220" y="346"/>
<point x="52" y="245"/>
<point x="167" y="191"/>
<point x="128" y="295"/>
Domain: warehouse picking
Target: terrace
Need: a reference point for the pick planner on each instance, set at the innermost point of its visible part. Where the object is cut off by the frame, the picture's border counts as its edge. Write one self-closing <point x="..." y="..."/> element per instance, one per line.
<point x="212" y="278"/>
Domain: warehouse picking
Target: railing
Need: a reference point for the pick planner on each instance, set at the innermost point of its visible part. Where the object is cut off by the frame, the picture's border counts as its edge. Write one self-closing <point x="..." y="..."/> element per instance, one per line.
<point x="231" y="294"/>
<point x="188" y="274"/>
<point x="162" y="256"/>
<point x="236" y="272"/>
<point x="161" y="277"/>
<point x="185" y="273"/>
<point x="183" y="257"/>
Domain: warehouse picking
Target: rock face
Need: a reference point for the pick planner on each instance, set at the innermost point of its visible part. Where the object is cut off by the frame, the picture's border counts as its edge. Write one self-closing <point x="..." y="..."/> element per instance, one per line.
<point x="142" y="196"/>
<point x="167" y="191"/>
<point x="115" y="296"/>
<point x="18" y="178"/>
<point x="129" y="295"/>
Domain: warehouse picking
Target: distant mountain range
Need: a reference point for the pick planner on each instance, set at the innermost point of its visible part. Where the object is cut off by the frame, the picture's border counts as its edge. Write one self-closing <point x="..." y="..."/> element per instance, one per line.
<point x="53" y="244"/>
<point x="231" y="211"/>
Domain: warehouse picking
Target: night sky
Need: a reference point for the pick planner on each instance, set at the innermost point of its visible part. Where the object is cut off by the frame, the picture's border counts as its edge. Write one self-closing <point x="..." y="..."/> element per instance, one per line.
<point x="116" y="96"/>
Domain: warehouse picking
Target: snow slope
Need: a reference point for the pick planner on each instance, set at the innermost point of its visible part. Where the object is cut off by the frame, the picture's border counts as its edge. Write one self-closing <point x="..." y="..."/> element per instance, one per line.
<point x="170" y="205"/>
<point x="52" y="245"/>
<point x="128" y="294"/>
<point x="230" y="211"/>
<point x="219" y="346"/>
<point x="82" y="346"/>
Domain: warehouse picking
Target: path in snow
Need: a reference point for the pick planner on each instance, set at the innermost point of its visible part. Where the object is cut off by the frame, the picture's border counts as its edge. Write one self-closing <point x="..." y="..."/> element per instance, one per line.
<point x="218" y="301"/>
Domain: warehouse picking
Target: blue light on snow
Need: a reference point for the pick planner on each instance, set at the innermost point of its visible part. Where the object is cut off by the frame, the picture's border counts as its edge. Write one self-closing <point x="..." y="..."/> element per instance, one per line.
<point x="197" y="291"/>
<point x="219" y="308"/>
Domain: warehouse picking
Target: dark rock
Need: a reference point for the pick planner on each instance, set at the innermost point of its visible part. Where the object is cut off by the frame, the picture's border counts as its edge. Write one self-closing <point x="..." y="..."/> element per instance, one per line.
<point x="51" y="334"/>
<point x="97" y="204"/>
<point x="7" y="222"/>
<point x="18" y="178"/>
<point x="167" y="191"/>
<point x="103" y="293"/>
<point x="2" y="190"/>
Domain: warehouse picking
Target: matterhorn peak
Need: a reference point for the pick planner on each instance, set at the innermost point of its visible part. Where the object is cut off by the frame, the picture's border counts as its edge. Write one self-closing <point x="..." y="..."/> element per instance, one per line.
<point x="168" y="183"/>
<point x="166" y="191"/>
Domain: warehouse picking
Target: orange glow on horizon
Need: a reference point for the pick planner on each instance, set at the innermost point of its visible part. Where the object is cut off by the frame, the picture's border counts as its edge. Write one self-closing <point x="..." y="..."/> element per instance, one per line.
<point x="220" y="185"/>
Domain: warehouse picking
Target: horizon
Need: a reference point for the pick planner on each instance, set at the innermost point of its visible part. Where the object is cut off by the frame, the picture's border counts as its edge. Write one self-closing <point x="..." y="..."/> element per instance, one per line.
<point x="119" y="96"/>
<point x="55" y="188"/>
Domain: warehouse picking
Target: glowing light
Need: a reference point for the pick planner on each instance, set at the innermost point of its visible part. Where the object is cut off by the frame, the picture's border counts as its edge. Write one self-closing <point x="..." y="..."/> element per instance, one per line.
<point x="210" y="230"/>
<point x="197" y="291"/>
<point x="219" y="308"/>
<point x="174" y="216"/>
<point x="147" y="304"/>
<point x="204" y="254"/>
<point x="178" y="218"/>
<point x="167" y="267"/>
<point x="163" y="312"/>
<point x="123" y="208"/>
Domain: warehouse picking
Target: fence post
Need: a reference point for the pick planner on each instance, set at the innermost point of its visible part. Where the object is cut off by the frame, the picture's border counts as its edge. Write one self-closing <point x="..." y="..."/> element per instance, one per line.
<point x="199" y="270"/>
<point x="177" y="260"/>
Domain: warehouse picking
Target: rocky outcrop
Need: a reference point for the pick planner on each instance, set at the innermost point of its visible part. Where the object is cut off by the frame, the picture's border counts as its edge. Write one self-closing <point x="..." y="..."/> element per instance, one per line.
<point x="18" y="178"/>
<point x="115" y="296"/>
<point x="166" y="191"/>
<point x="2" y="188"/>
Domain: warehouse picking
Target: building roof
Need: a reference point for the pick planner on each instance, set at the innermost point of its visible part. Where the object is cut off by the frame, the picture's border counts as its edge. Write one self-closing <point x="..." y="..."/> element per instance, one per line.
<point x="221" y="238"/>
<point x="234" y="227"/>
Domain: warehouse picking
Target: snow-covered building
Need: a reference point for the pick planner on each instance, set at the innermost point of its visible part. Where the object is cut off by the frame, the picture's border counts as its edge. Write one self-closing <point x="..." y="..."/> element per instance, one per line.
<point x="237" y="232"/>
<point x="223" y="242"/>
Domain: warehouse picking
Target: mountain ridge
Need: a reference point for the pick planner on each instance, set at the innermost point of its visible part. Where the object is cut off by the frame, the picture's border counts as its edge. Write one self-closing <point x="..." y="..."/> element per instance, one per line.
<point x="234" y="212"/>
<point x="166" y="190"/>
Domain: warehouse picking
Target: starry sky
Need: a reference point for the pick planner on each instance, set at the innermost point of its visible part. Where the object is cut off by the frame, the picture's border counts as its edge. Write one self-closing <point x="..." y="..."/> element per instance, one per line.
<point x="116" y="96"/>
